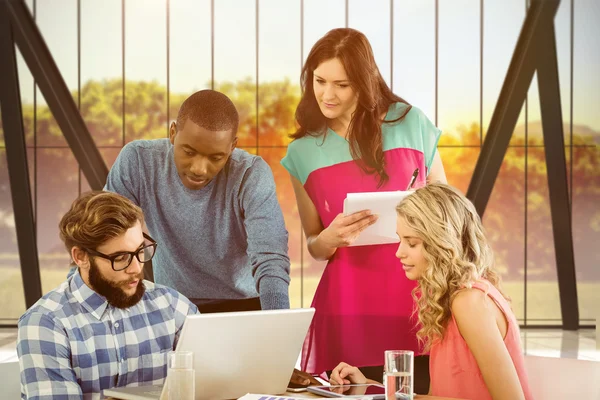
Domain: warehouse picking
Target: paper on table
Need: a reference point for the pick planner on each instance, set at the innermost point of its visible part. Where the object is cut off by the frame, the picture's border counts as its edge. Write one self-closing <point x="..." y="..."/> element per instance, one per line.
<point x="380" y="203"/>
<point x="252" y="396"/>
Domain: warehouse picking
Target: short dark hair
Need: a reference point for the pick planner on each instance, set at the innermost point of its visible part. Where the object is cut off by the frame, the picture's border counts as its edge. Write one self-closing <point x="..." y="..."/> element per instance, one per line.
<point x="211" y="110"/>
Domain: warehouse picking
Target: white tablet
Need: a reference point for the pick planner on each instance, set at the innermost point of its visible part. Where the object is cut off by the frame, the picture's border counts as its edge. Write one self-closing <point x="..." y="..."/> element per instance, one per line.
<point x="380" y="203"/>
<point x="373" y="391"/>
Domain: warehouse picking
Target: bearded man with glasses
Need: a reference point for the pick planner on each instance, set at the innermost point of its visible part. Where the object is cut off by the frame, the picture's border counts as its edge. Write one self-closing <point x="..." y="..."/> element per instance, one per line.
<point x="105" y="326"/>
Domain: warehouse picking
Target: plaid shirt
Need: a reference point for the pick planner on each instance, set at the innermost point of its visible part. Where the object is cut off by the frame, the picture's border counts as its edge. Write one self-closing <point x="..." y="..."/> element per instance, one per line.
<point x="73" y="342"/>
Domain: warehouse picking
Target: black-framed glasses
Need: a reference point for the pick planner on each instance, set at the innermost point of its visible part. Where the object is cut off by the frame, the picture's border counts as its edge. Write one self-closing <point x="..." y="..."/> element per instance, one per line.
<point x="121" y="260"/>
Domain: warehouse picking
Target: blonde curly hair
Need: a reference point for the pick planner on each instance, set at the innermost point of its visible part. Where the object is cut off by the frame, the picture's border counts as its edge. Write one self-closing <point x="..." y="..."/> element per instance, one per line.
<point x="456" y="251"/>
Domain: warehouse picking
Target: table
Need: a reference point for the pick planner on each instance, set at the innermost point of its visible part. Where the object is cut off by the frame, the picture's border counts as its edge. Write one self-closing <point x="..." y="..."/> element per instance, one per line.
<point x="314" y="396"/>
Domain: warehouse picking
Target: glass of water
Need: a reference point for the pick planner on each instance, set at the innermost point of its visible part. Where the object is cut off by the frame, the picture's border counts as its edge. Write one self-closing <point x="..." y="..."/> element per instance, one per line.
<point x="398" y="374"/>
<point x="180" y="375"/>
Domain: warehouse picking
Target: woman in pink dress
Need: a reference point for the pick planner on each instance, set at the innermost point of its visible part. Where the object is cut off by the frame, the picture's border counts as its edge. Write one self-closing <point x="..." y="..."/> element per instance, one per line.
<point x="464" y="318"/>
<point x="355" y="135"/>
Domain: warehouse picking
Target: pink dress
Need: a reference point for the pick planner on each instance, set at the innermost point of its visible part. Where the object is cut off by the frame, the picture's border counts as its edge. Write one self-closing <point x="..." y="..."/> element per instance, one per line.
<point x="363" y="301"/>
<point x="453" y="368"/>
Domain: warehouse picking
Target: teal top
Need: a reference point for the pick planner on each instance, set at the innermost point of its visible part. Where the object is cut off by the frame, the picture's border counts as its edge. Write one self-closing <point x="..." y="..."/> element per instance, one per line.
<point x="415" y="131"/>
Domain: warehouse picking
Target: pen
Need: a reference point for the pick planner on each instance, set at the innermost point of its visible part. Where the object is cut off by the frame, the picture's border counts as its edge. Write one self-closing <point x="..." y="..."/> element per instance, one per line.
<point x="413" y="178"/>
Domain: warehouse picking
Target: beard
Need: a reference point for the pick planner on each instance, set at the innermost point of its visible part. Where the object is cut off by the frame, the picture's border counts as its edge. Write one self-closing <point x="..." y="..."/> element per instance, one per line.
<point x="113" y="291"/>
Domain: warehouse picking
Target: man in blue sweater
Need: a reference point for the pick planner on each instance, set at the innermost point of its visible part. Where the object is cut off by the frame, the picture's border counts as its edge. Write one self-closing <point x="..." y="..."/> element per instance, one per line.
<point x="212" y="207"/>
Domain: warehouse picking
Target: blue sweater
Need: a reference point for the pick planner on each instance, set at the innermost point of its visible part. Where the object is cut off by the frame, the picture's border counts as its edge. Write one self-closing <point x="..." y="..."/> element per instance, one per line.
<point x="225" y="241"/>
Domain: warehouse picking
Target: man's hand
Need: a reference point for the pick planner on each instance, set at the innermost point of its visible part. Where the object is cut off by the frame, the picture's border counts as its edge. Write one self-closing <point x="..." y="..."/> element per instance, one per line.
<point x="303" y="378"/>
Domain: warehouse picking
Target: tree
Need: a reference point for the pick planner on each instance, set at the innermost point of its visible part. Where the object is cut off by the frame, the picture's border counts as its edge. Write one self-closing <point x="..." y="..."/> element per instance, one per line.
<point x="268" y="128"/>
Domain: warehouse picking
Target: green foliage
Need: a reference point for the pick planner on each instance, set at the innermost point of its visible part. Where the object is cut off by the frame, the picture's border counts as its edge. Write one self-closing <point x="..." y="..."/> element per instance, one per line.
<point x="266" y="131"/>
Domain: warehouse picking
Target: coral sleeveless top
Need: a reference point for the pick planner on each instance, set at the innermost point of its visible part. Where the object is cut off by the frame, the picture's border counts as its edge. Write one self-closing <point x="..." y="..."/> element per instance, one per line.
<point x="453" y="368"/>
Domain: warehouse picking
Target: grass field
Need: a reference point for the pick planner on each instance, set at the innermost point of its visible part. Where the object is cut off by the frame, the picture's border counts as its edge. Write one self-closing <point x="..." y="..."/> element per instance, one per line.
<point x="542" y="297"/>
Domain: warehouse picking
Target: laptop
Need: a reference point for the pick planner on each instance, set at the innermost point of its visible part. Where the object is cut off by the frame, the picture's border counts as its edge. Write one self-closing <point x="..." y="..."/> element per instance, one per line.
<point x="236" y="353"/>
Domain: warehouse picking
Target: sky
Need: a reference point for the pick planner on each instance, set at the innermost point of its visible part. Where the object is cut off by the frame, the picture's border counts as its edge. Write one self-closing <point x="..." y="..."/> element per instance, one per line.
<point x="408" y="64"/>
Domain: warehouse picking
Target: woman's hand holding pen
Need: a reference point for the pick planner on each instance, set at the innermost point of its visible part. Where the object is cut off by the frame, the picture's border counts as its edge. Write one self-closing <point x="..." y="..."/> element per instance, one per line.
<point x="344" y="229"/>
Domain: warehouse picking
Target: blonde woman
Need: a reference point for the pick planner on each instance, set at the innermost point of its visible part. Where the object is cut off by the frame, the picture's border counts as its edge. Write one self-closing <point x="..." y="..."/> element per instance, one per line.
<point x="465" y="320"/>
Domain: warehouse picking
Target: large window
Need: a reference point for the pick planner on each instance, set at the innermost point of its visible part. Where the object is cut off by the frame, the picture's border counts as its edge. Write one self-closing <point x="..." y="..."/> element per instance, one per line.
<point x="130" y="64"/>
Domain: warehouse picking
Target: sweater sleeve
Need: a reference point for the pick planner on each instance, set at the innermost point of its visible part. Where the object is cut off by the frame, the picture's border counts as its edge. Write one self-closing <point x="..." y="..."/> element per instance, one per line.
<point x="124" y="176"/>
<point x="267" y="236"/>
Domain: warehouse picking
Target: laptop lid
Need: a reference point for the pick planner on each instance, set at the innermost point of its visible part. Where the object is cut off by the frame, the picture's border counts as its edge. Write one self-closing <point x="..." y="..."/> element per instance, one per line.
<point x="137" y="393"/>
<point x="244" y="352"/>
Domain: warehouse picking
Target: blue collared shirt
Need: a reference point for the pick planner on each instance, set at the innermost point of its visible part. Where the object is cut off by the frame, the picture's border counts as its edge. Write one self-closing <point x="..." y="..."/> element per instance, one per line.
<point x="72" y="342"/>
